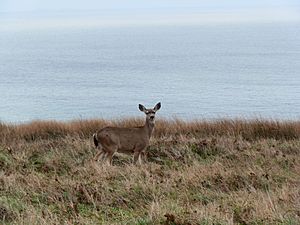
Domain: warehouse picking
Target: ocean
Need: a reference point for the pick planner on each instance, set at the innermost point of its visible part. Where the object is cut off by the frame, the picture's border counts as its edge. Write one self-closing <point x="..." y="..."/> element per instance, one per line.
<point x="196" y="72"/>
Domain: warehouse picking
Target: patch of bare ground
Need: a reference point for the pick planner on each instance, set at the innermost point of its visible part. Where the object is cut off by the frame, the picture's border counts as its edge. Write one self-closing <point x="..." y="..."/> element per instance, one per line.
<point x="201" y="172"/>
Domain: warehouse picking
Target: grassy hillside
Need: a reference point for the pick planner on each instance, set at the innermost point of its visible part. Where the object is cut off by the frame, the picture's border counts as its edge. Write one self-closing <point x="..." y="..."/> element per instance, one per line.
<point x="201" y="172"/>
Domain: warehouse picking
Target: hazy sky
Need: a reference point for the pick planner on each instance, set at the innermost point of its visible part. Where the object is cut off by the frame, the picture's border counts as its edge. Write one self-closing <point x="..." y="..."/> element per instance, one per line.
<point x="44" y="13"/>
<point x="36" y="5"/>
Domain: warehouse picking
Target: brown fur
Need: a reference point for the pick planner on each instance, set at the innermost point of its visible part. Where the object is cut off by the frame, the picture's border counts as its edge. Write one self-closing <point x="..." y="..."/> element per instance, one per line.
<point x="125" y="140"/>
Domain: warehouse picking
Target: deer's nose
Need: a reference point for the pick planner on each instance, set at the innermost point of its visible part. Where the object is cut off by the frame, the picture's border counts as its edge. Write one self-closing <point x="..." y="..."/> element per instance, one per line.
<point x="152" y="117"/>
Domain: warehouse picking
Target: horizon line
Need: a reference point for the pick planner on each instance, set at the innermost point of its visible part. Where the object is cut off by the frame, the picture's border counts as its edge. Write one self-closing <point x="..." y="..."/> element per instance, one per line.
<point x="79" y="19"/>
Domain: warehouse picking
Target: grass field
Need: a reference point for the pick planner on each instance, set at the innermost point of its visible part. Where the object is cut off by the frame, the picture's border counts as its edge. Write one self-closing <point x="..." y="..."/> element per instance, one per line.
<point x="199" y="172"/>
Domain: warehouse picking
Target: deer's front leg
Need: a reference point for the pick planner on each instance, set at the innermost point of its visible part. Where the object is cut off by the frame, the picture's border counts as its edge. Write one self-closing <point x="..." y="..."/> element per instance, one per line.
<point x="137" y="157"/>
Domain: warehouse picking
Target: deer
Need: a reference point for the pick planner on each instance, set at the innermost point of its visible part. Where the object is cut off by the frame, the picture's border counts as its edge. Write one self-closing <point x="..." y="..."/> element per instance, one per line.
<point x="134" y="140"/>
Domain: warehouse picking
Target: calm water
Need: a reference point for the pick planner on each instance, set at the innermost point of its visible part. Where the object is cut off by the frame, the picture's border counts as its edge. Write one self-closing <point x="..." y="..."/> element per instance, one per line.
<point x="196" y="72"/>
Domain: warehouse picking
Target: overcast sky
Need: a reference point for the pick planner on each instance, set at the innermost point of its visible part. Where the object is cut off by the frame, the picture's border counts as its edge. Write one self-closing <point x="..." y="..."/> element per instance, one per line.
<point x="36" y="5"/>
<point x="41" y="13"/>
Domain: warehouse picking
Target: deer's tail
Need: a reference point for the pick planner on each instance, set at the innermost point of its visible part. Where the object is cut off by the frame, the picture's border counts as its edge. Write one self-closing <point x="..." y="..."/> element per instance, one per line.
<point x="96" y="142"/>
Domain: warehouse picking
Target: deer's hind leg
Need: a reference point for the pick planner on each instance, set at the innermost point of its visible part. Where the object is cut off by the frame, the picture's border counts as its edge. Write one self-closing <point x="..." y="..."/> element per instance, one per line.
<point x="100" y="155"/>
<point x="109" y="153"/>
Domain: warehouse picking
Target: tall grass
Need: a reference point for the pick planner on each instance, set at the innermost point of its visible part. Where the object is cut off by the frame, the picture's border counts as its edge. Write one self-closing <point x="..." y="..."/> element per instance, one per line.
<point x="197" y="172"/>
<point x="248" y="129"/>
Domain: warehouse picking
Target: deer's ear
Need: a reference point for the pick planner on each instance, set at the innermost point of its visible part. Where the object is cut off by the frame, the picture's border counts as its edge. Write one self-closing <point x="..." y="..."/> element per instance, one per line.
<point x="157" y="107"/>
<point x="142" y="108"/>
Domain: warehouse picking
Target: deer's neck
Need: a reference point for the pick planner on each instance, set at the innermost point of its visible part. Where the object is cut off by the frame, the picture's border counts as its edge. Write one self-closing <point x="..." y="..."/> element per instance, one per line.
<point x="148" y="127"/>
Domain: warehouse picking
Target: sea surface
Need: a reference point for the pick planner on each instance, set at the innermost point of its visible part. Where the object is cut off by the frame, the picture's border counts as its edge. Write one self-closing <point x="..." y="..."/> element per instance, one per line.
<point x="196" y="72"/>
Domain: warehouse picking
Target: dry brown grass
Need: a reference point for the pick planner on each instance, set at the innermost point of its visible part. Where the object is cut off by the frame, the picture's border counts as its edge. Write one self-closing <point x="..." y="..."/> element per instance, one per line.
<point x="200" y="172"/>
<point x="248" y="129"/>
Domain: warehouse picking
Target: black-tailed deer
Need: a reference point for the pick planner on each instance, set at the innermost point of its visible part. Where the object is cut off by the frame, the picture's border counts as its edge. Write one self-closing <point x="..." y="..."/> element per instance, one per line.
<point x="135" y="140"/>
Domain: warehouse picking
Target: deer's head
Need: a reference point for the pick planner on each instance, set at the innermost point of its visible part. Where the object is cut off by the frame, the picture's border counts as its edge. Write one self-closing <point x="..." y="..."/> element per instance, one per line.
<point x="150" y="113"/>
